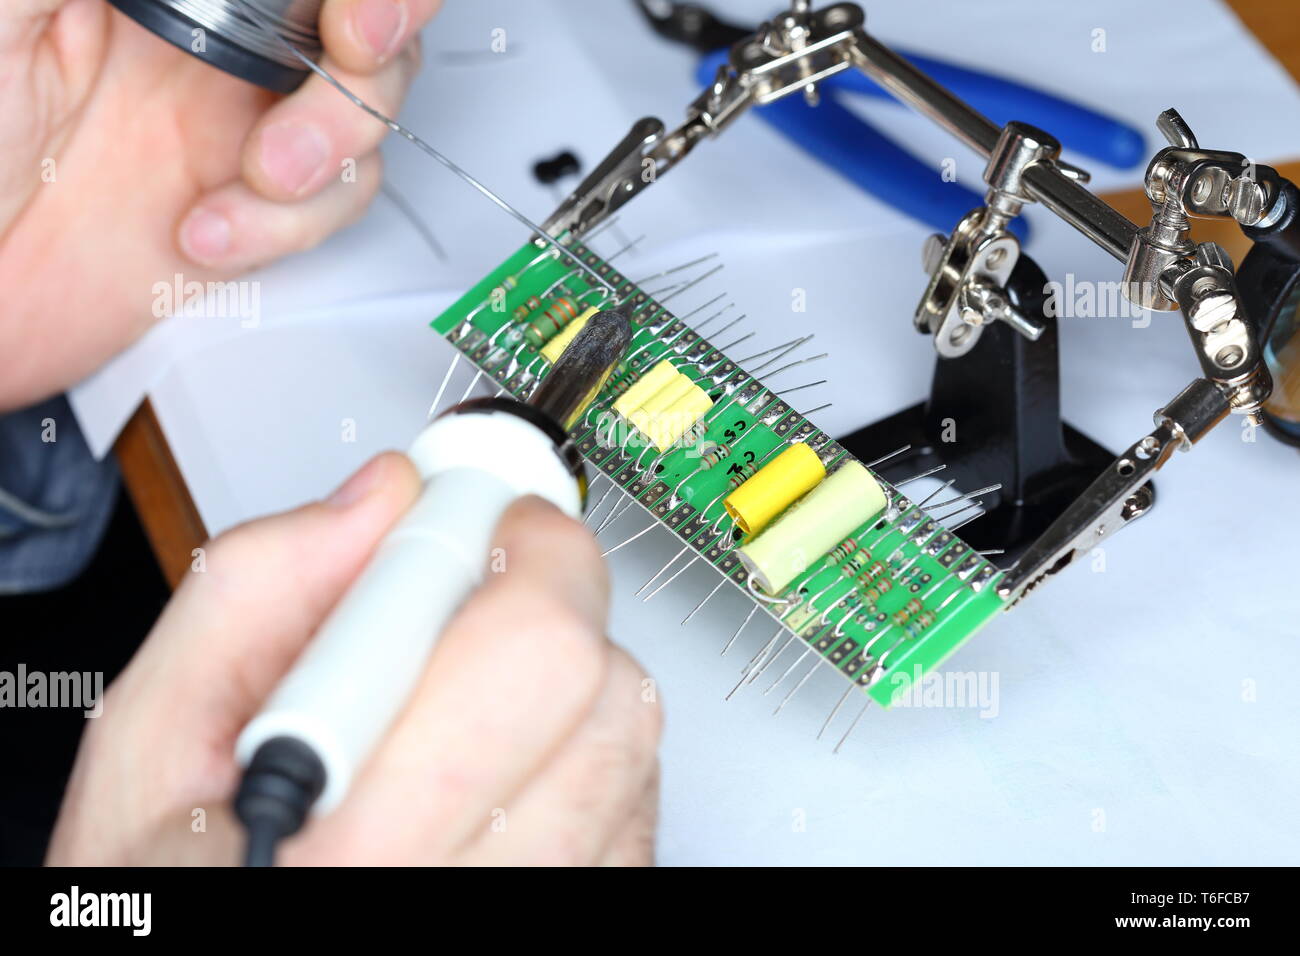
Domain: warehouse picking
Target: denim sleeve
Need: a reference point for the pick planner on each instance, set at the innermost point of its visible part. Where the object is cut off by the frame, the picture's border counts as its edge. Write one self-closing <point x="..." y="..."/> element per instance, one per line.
<point x="55" y="499"/>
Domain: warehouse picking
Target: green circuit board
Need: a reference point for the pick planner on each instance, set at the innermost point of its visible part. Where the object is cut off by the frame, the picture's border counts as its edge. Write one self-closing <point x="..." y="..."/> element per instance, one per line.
<point x="938" y="591"/>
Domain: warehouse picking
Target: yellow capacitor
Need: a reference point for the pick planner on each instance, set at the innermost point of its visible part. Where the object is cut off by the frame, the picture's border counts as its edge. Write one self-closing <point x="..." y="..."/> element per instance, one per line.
<point x="674" y="421"/>
<point x="644" y="415"/>
<point x="649" y="411"/>
<point x="644" y="387"/>
<point x="774" y="487"/>
<point x="553" y="349"/>
<point x="846" y="500"/>
<point x="667" y="396"/>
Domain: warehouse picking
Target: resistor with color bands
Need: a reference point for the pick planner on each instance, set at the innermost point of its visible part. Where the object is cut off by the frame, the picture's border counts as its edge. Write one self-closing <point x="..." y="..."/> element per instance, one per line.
<point x="845" y="548"/>
<point x="714" y="455"/>
<point x="842" y="503"/>
<point x="746" y="472"/>
<point x="878" y="590"/>
<point x="871" y="574"/>
<point x="531" y="304"/>
<point x="855" y="562"/>
<point x="919" y="623"/>
<point x="695" y="432"/>
<point x="907" y="610"/>
<point x="774" y="487"/>
<point x="508" y="284"/>
<point x="543" y="328"/>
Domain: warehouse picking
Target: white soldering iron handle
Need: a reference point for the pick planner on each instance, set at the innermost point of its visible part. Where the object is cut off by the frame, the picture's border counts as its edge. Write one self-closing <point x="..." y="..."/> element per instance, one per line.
<point x="357" y="673"/>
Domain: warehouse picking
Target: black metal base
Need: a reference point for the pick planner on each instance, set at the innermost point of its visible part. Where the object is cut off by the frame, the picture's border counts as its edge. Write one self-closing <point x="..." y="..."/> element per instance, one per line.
<point x="1011" y="522"/>
<point x="993" y="417"/>
<point x="178" y="30"/>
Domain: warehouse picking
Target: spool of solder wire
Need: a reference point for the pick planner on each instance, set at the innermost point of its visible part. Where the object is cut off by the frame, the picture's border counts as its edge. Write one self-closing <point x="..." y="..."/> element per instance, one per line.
<point x="775" y="487"/>
<point x="224" y="34"/>
<point x="847" y="499"/>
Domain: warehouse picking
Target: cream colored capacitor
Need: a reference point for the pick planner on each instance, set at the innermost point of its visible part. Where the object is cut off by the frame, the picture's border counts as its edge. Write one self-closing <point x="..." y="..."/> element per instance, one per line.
<point x="673" y="422"/>
<point x="846" y="500"/>
<point x="645" y="416"/>
<point x="664" y="398"/>
<point x="774" y="487"/>
<point x="644" y="387"/>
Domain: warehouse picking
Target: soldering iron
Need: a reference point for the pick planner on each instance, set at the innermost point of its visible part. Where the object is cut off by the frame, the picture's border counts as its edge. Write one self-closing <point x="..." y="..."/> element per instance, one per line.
<point x="320" y="725"/>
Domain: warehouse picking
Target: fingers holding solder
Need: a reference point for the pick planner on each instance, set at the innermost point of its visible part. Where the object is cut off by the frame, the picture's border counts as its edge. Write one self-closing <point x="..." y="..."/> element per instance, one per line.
<point x="363" y="35"/>
<point x="315" y="137"/>
<point x="233" y="229"/>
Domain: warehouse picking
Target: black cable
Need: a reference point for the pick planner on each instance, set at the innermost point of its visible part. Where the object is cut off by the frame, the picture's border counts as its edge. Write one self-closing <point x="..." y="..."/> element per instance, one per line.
<point x="282" y="781"/>
<point x="262" y="839"/>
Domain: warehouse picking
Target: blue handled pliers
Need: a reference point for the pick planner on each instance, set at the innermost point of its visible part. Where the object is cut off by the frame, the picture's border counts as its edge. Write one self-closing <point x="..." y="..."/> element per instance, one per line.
<point x="856" y="150"/>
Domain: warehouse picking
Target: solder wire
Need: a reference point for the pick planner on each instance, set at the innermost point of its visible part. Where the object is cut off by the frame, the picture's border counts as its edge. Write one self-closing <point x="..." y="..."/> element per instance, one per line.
<point x="256" y="16"/>
<point x="297" y="20"/>
<point x="509" y="283"/>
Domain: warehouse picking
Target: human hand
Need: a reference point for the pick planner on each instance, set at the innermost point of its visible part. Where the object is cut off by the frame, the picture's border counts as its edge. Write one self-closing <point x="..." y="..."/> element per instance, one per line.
<point x="530" y="739"/>
<point x="125" y="161"/>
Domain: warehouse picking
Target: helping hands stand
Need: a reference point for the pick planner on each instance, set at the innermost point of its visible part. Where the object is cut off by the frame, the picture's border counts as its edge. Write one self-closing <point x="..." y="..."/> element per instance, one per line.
<point x="993" y="418"/>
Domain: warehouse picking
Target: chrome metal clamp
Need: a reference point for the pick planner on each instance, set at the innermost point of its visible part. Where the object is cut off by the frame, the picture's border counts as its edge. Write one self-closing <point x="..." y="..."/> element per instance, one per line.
<point x="789" y="53"/>
<point x="1122" y="493"/>
<point x="970" y="268"/>
<point x="1166" y="270"/>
